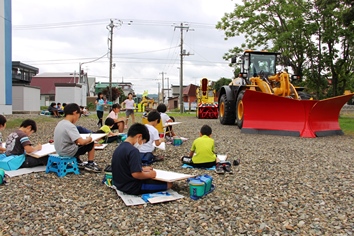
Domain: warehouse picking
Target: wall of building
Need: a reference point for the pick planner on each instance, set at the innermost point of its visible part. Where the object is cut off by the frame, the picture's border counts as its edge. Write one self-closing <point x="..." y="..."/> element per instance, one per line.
<point x="71" y="95"/>
<point x="5" y="57"/>
<point x="25" y="98"/>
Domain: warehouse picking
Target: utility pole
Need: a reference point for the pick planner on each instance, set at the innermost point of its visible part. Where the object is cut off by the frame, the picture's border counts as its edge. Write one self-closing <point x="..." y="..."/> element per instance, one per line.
<point x="168" y="87"/>
<point x="182" y="54"/>
<point x="110" y="27"/>
<point x="162" y="86"/>
<point x="158" y="91"/>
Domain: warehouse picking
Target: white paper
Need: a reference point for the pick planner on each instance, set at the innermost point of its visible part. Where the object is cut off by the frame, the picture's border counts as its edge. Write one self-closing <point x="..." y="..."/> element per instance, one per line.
<point x="94" y="137"/>
<point x="170" y="176"/>
<point x="172" y="123"/>
<point x="46" y="150"/>
<point x="101" y="147"/>
<point x="162" y="146"/>
<point x="132" y="200"/>
<point x="222" y="157"/>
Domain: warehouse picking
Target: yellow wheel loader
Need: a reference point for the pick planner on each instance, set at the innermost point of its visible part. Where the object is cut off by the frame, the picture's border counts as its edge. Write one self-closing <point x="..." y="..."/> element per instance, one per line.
<point x="263" y="101"/>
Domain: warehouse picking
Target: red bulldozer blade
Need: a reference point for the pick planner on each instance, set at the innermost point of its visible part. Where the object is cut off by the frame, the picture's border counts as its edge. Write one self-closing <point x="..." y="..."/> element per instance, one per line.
<point x="270" y="114"/>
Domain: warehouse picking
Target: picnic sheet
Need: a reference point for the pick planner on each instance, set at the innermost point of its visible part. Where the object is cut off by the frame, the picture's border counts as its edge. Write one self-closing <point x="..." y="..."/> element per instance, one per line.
<point x="23" y="171"/>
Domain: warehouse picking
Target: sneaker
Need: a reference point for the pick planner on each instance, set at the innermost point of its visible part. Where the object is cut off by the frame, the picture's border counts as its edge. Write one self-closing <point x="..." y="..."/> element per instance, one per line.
<point x="227" y="168"/>
<point x="92" y="167"/>
<point x="186" y="160"/>
<point x="219" y="169"/>
<point x="81" y="165"/>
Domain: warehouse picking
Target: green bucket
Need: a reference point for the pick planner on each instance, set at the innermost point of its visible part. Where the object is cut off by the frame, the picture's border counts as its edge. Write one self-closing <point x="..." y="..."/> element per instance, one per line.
<point x="196" y="188"/>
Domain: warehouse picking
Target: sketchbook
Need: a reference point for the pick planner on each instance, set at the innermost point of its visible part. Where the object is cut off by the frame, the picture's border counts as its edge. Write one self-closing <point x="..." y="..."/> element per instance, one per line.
<point x="172" y="123"/>
<point x="162" y="146"/>
<point x="46" y="150"/>
<point x="132" y="200"/>
<point x="95" y="137"/>
<point x="101" y="147"/>
<point x="170" y="176"/>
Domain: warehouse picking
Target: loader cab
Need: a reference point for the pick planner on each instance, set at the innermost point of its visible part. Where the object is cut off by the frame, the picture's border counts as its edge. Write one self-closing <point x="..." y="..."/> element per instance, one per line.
<point x="254" y="63"/>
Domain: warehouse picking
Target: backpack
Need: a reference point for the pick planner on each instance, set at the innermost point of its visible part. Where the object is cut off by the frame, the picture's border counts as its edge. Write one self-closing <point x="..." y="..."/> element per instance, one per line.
<point x="12" y="162"/>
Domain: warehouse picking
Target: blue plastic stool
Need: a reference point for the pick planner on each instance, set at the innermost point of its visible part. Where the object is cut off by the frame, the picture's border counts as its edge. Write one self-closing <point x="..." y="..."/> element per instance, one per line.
<point x="62" y="165"/>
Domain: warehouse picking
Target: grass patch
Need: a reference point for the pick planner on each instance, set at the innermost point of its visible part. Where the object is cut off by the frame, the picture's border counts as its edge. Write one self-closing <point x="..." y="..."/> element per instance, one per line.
<point x="346" y="123"/>
<point x="16" y="122"/>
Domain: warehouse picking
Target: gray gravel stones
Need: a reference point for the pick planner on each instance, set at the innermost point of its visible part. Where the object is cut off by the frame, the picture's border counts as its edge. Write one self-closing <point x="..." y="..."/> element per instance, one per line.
<point x="283" y="186"/>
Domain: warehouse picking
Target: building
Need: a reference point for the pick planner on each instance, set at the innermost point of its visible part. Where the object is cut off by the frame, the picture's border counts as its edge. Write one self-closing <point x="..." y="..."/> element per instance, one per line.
<point x="24" y="96"/>
<point x="127" y="87"/>
<point x="189" y="97"/>
<point x="65" y="83"/>
<point x="5" y="57"/>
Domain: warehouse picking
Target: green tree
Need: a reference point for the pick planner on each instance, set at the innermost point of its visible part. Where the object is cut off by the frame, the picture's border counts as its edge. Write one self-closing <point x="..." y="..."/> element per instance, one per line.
<point x="116" y="92"/>
<point x="314" y="37"/>
<point x="221" y="82"/>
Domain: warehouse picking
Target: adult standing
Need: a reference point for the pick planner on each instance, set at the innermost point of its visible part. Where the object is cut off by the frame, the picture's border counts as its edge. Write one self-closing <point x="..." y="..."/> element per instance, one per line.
<point x="99" y="108"/>
<point x="129" y="109"/>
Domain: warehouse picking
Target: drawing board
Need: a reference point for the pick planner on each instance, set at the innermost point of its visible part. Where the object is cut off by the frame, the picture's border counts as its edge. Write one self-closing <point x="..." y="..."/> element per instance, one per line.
<point x="46" y="150"/>
<point x="95" y="137"/>
<point x="101" y="146"/>
<point x="170" y="176"/>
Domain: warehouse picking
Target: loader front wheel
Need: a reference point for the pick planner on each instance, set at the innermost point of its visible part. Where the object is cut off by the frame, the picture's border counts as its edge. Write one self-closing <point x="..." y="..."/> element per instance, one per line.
<point x="239" y="109"/>
<point x="227" y="113"/>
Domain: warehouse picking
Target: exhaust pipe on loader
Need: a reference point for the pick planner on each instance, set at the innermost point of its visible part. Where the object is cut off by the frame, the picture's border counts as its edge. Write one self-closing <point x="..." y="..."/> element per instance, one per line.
<point x="270" y="114"/>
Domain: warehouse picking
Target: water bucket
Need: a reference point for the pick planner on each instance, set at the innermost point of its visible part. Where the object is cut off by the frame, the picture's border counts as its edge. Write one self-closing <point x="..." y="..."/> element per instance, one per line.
<point x="196" y="188"/>
<point x="177" y="141"/>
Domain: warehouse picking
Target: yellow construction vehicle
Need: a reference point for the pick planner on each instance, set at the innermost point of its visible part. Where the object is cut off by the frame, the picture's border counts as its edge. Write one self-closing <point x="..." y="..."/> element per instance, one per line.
<point x="261" y="100"/>
<point x="207" y="108"/>
<point x="146" y="103"/>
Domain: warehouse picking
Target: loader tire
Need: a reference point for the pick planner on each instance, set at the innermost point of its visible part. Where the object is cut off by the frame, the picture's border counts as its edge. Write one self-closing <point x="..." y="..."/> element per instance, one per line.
<point x="239" y="109"/>
<point x="227" y="114"/>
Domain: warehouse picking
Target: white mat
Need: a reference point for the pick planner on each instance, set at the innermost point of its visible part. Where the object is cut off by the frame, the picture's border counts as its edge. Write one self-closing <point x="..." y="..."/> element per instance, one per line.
<point x="132" y="200"/>
<point x="23" y="171"/>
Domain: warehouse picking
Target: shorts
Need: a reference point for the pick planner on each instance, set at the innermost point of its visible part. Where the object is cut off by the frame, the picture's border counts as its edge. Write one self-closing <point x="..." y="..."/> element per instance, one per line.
<point x="32" y="161"/>
<point x="129" y="112"/>
<point x="151" y="185"/>
<point x="84" y="149"/>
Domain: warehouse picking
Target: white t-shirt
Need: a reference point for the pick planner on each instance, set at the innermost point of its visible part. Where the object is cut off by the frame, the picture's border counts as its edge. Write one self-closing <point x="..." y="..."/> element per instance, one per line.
<point x="129" y="104"/>
<point x="113" y="115"/>
<point x="164" y="118"/>
<point x="154" y="135"/>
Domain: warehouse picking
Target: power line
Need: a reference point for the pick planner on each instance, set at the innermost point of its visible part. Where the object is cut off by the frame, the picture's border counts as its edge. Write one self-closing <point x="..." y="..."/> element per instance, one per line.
<point x="83" y="23"/>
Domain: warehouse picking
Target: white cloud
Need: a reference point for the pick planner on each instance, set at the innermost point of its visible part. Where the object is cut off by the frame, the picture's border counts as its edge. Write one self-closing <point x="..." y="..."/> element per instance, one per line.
<point x="144" y="46"/>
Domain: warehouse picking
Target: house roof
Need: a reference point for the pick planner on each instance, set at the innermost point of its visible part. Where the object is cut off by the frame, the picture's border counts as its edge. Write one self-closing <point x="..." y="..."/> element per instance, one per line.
<point x="190" y="90"/>
<point x="47" y="84"/>
<point x="58" y="75"/>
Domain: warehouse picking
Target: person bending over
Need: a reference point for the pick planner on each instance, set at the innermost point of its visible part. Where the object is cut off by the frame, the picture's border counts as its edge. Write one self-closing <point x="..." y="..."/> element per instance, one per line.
<point x="128" y="174"/>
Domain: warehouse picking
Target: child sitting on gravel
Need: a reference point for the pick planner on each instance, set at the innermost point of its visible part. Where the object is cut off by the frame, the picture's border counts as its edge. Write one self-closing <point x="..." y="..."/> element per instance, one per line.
<point x="128" y="174"/>
<point x="18" y="144"/>
<point x="205" y="157"/>
<point x="165" y="119"/>
<point x="111" y="137"/>
<point x="146" y="150"/>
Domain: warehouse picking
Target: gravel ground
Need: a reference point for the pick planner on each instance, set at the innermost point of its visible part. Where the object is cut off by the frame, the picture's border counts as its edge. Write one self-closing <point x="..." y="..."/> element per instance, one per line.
<point x="283" y="186"/>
